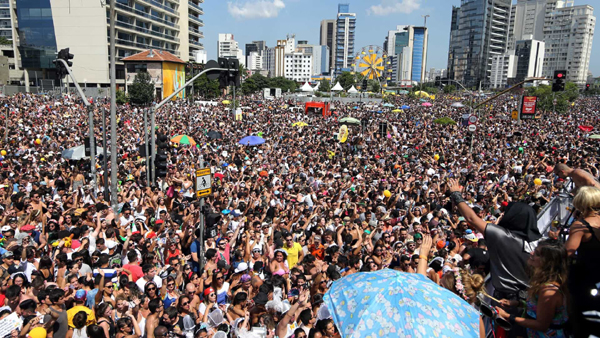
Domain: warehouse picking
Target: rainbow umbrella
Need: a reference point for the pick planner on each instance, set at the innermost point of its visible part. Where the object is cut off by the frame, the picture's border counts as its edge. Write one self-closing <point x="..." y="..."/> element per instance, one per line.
<point x="183" y="139"/>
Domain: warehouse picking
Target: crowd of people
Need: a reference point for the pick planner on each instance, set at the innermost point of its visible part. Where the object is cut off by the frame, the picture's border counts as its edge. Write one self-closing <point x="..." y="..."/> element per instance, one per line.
<point x="288" y="218"/>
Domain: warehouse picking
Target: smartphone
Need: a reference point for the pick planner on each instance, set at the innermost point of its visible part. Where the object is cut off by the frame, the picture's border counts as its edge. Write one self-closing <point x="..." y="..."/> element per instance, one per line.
<point x="294" y="293"/>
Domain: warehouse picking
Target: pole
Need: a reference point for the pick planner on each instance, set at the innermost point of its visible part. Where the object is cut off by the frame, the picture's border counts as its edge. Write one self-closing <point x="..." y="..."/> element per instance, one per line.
<point x="104" y="157"/>
<point x="92" y="147"/>
<point x="201" y="257"/>
<point x="113" y="113"/>
<point x="146" y="146"/>
<point x="153" y="144"/>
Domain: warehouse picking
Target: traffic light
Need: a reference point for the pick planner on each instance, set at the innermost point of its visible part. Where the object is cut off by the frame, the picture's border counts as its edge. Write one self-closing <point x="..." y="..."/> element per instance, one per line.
<point x="160" y="160"/>
<point x="587" y="87"/>
<point x="88" y="146"/>
<point x="233" y="74"/>
<point x="61" y="70"/>
<point x="364" y="85"/>
<point x="223" y="75"/>
<point x="560" y="77"/>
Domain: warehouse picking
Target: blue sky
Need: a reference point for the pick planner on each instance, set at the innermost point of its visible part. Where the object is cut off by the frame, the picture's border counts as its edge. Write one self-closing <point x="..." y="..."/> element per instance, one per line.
<point x="271" y="20"/>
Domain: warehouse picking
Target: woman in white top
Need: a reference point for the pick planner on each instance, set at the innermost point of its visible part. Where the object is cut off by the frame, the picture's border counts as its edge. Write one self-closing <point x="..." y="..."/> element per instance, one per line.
<point x="79" y="321"/>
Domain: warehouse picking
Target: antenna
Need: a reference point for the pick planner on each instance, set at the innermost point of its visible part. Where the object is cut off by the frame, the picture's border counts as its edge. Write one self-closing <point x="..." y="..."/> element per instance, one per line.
<point x="151" y="54"/>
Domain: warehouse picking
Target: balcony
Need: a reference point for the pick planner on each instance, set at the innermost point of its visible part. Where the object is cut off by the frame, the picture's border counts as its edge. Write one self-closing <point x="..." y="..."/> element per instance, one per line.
<point x="4" y="4"/>
<point x="195" y="43"/>
<point x="128" y="9"/>
<point x="196" y="19"/>
<point x="146" y="31"/>
<point x="195" y="7"/>
<point x="196" y="32"/>
<point x="157" y="4"/>
<point x="142" y="46"/>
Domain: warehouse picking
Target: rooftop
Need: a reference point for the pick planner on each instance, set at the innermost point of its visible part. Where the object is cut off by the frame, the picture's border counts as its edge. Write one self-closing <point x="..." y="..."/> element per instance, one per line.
<point x="156" y="55"/>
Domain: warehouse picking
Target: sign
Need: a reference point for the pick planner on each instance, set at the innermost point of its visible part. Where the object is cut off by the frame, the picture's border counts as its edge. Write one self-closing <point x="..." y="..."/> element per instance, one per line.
<point x="465" y="119"/>
<point x="528" y="107"/>
<point x="472" y="119"/>
<point x="9" y="323"/>
<point x="472" y="127"/>
<point x="203" y="182"/>
<point x="515" y="115"/>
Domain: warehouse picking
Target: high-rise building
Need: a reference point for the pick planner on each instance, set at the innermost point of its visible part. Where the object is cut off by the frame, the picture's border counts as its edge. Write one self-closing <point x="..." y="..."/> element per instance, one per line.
<point x="344" y="41"/>
<point x="251" y="47"/>
<point x="327" y="38"/>
<point x="254" y="61"/>
<point x="503" y="68"/>
<point x="408" y="46"/>
<point x="298" y="66"/>
<point x="227" y="47"/>
<point x="530" y="59"/>
<point x="255" y="46"/>
<point x="275" y="56"/>
<point x="320" y="57"/>
<point x="42" y="27"/>
<point x="478" y="32"/>
<point x="568" y="34"/>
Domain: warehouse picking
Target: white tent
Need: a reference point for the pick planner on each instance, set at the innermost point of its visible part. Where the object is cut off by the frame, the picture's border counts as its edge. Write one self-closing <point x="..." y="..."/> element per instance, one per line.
<point x="316" y="87"/>
<point x="306" y="88"/>
<point x="352" y="90"/>
<point x="337" y="88"/>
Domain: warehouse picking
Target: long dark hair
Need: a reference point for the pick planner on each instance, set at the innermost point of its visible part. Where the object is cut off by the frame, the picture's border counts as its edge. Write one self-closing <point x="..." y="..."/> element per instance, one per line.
<point x="553" y="267"/>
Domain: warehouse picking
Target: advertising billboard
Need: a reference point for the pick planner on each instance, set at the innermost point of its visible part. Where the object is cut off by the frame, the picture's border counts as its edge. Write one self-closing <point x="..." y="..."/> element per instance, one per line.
<point x="528" y="107"/>
<point x="173" y="79"/>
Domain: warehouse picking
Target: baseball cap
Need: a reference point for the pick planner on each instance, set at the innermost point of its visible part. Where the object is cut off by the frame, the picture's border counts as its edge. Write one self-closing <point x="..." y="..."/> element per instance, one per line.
<point x="471" y="237"/>
<point x="159" y="221"/>
<point x="440" y="245"/>
<point x="5" y="228"/>
<point x="208" y="291"/>
<point x="111" y="244"/>
<point x="7" y="254"/>
<point x="246" y="278"/>
<point x="241" y="267"/>
<point x="417" y="236"/>
<point x="27" y="227"/>
<point x="80" y="295"/>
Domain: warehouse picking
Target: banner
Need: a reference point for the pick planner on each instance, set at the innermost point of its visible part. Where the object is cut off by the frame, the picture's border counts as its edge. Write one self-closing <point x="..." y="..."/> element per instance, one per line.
<point x="528" y="107"/>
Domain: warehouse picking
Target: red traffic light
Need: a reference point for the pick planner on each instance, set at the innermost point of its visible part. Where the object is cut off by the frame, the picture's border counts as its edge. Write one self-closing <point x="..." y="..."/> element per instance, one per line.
<point x="559" y="75"/>
<point x="587" y="85"/>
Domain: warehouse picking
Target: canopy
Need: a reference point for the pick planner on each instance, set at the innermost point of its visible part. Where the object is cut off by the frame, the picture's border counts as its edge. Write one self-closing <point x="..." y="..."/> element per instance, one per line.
<point x="388" y="105"/>
<point x="426" y="104"/>
<point x="215" y="135"/>
<point x="299" y="124"/>
<point x="78" y="153"/>
<point x="252" y="140"/>
<point x="337" y="88"/>
<point x="352" y="90"/>
<point x="397" y="111"/>
<point x="595" y="137"/>
<point x="458" y="105"/>
<point x="316" y="87"/>
<point x="226" y="102"/>
<point x="390" y="303"/>
<point x="403" y="92"/>
<point x="306" y="88"/>
<point x="404" y="107"/>
<point x="350" y="120"/>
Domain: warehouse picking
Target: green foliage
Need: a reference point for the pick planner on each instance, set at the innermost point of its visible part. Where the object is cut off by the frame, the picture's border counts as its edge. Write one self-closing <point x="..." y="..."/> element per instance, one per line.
<point x="546" y="97"/>
<point x="122" y="97"/>
<point x="444" y="121"/>
<point x="346" y="80"/>
<point x="324" y="86"/>
<point x="207" y="88"/>
<point x="374" y="86"/>
<point x="142" y="90"/>
<point x="318" y="94"/>
<point x="257" y="83"/>
<point x="4" y="41"/>
<point x="449" y="89"/>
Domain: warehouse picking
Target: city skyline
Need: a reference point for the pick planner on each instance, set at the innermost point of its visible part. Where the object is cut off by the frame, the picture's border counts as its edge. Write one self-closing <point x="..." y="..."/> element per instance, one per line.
<point x="373" y="20"/>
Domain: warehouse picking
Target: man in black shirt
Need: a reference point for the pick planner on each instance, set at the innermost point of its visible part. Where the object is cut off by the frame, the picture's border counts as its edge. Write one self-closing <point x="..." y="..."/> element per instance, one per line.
<point x="478" y="258"/>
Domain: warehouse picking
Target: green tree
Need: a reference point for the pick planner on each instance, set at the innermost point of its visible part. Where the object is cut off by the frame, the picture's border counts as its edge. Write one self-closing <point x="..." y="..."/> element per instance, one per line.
<point x="142" y="90"/>
<point x="249" y="86"/>
<point x="4" y="41"/>
<point x="374" y="86"/>
<point x="546" y="97"/>
<point x="449" y="89"/>
<point x="122" y="97"/>
<point x="207" y="88"/>
<point x="283" y="83"/>
<point x="346" y="80"/>
<point x="324" y="86"/>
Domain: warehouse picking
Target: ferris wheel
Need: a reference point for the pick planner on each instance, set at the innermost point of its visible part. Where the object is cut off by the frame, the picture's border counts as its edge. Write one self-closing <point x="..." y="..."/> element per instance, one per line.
<point x="372" y="63"/>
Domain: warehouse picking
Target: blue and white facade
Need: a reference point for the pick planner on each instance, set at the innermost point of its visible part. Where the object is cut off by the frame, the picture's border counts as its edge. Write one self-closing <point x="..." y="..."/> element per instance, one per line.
<point x="344" y="43"/>
<point x="407" y="51"/>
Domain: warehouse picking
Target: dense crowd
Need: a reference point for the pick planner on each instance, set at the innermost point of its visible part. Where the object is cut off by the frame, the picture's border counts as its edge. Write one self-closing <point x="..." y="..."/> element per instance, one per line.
<point x="288" y="218"/>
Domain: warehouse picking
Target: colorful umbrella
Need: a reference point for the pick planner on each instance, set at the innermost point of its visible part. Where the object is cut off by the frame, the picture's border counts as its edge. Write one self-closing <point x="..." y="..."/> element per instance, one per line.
<point x="405" y="107"/>
<point x="457" y="105"/>
<point x="226" y="102"/>
<point x="426" y="104"/>
<point x="390" y="303"/>
<point x="586" y="128"/>
<point x="252" y="141"/>
<point x="300" y="124"/>
<point x="183" y="139"/>
<point x="397" y="111"/>
<point x="595" y="137"/>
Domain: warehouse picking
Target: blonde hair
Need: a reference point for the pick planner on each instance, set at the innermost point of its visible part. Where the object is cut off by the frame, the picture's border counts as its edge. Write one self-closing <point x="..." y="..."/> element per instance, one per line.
<point x="473" y="284"/>
<point x="587" y="200"/>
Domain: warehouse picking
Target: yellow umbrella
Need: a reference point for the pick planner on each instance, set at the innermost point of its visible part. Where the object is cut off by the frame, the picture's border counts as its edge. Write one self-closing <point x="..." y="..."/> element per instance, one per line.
<point x="226" y="102"/>
<point x="421" y="93"/>
<point x="397" y="111"/>
<point x="300" y="124"/>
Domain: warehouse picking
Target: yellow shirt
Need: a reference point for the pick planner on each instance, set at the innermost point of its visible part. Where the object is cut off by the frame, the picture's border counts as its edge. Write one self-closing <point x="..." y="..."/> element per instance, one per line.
<point x="292" y="254"/>
<point x="91" y="319"/>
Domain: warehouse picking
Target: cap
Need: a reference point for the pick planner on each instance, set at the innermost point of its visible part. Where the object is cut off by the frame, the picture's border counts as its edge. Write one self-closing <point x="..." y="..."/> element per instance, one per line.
<point x="471" y="237"/>
<point x="246" y="278"/>
<point x="38" y="332"/>
<point x="27" y="227"/>
<point x="208" y="291"/>
<point x="159" y="221"/>
<point x="110" y="244"/>
<point x="417" y="236"/>
<point x="5" y="228"/>
<point x="440" y="245"/>
<point x="242" y="267"/>
<point x="80" y="295"/>
<point x="7" y="254"/>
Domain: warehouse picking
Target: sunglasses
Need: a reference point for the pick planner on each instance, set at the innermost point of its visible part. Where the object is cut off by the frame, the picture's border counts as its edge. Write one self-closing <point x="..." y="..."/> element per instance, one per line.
<point x="184" y="304"/>
<point x="151" y="289"/>
<point x="220" y="278"/>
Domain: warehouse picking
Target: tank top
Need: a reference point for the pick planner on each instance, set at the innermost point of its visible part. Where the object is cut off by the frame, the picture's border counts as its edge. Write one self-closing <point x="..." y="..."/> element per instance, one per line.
<point x="111" y="327"/>
<point x="80" y="333"/>
<point x="169" y="300"/>
<point x="588" y="265"/>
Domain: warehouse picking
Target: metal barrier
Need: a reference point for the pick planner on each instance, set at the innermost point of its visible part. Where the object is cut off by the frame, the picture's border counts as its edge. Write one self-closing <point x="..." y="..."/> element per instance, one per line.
<point x="559" y="209"/>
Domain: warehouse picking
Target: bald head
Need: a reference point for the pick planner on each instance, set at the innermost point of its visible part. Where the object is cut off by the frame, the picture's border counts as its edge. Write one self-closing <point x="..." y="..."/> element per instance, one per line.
<point x="160" y="331"/>
<point x="190" y="287"/>
<point x="562" y="170"/>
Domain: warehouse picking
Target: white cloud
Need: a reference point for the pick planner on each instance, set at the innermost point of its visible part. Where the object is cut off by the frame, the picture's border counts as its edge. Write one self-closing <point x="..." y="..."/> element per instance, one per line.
<point x="255" y="9"/>
<point x="395" y="6"/>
